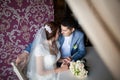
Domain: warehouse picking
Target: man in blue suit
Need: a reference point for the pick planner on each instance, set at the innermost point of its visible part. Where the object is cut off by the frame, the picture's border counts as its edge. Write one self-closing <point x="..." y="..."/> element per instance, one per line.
<point x="71" y="43"/>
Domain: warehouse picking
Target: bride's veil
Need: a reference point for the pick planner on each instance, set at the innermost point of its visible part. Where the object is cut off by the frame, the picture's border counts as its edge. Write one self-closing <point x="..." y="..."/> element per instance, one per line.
<point x="39" y="38"/>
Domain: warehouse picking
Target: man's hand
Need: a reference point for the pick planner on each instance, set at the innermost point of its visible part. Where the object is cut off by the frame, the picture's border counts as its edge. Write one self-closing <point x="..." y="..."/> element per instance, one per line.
<point x="67" y="60"/>
<point x="64" y="66"/>
<point x="22" y="60"/>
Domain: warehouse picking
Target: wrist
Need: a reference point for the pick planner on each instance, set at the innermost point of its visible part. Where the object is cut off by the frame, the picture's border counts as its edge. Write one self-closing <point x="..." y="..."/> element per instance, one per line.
<point x="57" y="70"/>
<point x="26" y="52"/>
<point x="60" y="60"/>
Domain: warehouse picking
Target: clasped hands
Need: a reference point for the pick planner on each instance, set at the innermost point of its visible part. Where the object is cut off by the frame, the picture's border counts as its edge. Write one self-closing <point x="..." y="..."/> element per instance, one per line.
<point x="65" y="63"/>
<point x="23" y="58"/>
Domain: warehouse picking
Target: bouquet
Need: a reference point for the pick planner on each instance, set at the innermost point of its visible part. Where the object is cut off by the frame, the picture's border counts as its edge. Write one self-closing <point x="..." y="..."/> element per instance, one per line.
<point x="77" y="68"/>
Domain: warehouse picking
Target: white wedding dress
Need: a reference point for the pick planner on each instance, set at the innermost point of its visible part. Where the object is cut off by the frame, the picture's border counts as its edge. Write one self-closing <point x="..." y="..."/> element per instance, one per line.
<point x="49" y="63"/>
<point x="40" y="48"/>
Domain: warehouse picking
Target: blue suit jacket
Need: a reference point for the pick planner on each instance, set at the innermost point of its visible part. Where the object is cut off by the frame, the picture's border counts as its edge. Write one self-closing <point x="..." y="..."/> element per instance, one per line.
<point x="77" y="45"/>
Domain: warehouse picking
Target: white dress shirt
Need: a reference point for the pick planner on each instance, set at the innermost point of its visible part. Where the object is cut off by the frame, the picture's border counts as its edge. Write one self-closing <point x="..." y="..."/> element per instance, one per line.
<point x="66" y="47"/>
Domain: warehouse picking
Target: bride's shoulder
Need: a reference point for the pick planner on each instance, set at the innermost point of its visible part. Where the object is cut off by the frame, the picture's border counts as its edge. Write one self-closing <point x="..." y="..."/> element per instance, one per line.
<point x="44" y="45"/>
<point x="40" y="50"/>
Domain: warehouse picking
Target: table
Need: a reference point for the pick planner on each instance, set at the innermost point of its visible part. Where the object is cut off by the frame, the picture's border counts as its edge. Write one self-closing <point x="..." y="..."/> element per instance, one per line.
<point x="97" y="68"/>
<point x="67" y="75"/>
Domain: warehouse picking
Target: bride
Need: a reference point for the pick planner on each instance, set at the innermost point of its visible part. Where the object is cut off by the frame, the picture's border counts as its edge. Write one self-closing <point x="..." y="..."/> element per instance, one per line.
<point x="45" y="54"/>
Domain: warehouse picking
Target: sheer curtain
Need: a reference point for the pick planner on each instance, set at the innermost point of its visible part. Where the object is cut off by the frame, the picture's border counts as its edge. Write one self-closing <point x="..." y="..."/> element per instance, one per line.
<point x="100" y="20"/>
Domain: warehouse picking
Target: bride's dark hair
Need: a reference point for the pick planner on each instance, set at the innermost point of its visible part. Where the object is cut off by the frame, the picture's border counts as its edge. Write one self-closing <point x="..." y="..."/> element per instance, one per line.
<point x="50" y="34"/>
<point x="53" y="28"/>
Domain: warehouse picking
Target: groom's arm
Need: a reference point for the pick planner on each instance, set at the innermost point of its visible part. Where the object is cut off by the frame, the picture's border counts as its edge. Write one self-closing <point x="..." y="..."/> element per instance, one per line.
<point x="81" y="50"/>
<point x="22" y="59"/>
<point x="78" y="55"/>
<point x="28" y="48"/>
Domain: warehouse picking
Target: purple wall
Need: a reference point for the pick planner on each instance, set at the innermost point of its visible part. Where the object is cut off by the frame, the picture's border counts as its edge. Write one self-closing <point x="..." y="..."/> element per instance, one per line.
<point x="19" y="20"/>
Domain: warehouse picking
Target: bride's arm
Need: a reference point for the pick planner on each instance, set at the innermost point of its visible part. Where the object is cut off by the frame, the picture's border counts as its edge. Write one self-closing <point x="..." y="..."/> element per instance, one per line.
<point x="42" y="71"/>
<point x="63" y="67"/>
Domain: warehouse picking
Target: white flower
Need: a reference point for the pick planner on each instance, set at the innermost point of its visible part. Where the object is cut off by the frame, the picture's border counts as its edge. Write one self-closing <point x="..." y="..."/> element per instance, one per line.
<point x="48" y="28"/>
<point x="78" y="70"/>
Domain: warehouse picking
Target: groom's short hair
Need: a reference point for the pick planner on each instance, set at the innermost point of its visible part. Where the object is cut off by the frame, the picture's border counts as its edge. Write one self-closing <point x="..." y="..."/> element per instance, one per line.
<point x="69" y="22"/>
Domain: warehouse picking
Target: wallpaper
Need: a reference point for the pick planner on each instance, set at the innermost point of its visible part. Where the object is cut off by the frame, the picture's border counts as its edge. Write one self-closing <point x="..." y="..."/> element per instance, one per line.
<point x="19" y="20"/>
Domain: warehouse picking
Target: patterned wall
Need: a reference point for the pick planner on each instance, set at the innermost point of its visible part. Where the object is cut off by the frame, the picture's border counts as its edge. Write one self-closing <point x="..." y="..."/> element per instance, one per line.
<point x="19" y="20"/>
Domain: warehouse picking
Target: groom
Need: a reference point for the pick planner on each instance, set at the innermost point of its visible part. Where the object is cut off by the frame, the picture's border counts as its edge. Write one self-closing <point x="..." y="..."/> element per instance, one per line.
<point x="71" y="43"/>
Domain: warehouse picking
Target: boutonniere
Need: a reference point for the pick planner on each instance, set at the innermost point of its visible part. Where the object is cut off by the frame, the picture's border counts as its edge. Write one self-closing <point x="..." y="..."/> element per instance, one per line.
<point x="75" y="46"/>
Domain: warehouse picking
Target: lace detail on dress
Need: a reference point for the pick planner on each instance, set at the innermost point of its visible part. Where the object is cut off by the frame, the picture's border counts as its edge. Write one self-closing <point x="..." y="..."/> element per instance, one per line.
<point x="49" y="63"/>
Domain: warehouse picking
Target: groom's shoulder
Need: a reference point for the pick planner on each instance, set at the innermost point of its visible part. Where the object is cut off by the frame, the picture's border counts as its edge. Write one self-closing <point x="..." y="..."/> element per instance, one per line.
<point x="78" y="32"/>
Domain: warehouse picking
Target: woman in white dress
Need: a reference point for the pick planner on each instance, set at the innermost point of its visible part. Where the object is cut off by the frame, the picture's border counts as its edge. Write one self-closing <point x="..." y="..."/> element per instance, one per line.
<point x="45" y="54"/>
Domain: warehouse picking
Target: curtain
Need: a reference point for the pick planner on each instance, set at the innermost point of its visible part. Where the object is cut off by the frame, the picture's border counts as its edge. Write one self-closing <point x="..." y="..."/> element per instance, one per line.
<point x="100" y="20"/>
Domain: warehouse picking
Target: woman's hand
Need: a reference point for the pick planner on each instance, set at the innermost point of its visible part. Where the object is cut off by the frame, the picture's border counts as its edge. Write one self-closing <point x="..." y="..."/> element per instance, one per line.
<point x="67" y="60"/>
<point x="64" y="66"/>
